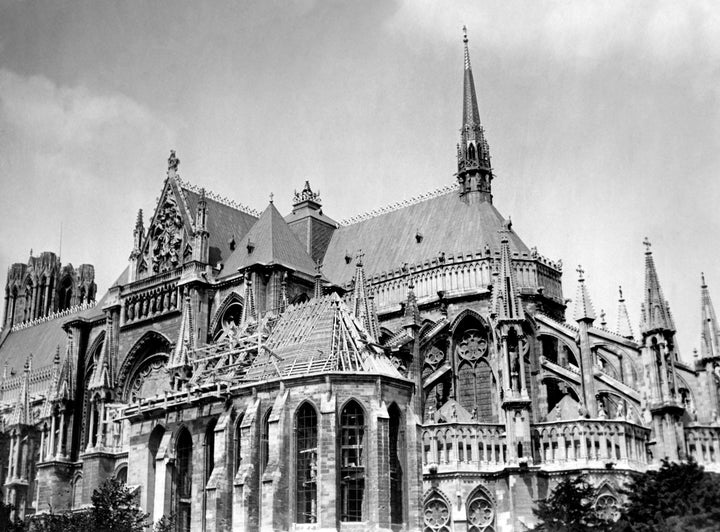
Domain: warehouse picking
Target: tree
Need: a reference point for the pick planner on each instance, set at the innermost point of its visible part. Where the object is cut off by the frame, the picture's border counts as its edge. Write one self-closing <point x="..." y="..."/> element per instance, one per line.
<point x="677" y="497"/>
<point x="570" y="508"/>
<point x="165" y="524"/>
<point x="116" y="510"/>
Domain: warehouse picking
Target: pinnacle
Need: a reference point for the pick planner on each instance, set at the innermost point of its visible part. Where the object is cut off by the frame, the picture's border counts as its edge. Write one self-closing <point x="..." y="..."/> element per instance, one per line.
<point x="583" y="305"/>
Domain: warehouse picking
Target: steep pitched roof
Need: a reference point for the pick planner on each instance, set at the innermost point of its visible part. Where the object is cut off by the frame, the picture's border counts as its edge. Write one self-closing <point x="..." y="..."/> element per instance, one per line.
<point x="271" y="242"/>
<point x="417" y="233"/>
<point x="316" y="337"/>
<point x="224" y="224"/>
<point x="41" y="340"/>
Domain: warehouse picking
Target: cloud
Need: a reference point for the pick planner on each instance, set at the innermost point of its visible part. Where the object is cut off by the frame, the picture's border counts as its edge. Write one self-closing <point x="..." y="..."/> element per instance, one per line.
<point x="67" y="154"/>
<point x="662" y="31"/>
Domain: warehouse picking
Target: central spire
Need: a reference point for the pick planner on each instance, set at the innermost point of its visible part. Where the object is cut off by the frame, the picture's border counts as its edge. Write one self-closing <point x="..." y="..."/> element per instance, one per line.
<point x="473" y="153"/>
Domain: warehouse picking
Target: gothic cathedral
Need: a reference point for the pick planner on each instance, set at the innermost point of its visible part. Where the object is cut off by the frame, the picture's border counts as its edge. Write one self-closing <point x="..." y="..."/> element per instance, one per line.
<point x="400" y="370"/>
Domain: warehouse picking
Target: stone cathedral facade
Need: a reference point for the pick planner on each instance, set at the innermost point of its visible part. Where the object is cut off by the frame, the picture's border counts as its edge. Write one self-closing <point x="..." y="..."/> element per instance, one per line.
<point x="415" y="368"/>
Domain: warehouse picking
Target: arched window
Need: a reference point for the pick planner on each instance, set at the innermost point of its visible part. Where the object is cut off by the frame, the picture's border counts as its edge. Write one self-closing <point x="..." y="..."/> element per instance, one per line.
<point x="77" y="489"/>
<point x="436" y="514"/>
<point x="65" y="292"/>
<point x="396" y="473"/>
<point x="210" y="449"/>
<point x="480" y="513"/>
<point x="471" y="151"/>
<point x="265" y="441"/>
<point x="153" y="445"/>
<point x="306" y="424"/>
<point x="352" y="465"/>
<point x="237" y="445"/>
<point x="183" y="482"/>
<point x="121" y="474"/>
<point x="606" y="506"/>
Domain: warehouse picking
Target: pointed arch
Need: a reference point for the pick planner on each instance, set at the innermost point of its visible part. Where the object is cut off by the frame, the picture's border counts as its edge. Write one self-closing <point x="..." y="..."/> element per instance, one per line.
<point x="227" y="311"/>
<point x="475" y="379"/>
<point x="153" y="446"/>
<point x="437" y="512"/>
<point x="352" y="461"/>
<point x="306" y="463"/>
<point x="152" y="348"/>
<point x="396" y="442"/>
<point x="481" y="511"/>
<point x="183" y="487"/>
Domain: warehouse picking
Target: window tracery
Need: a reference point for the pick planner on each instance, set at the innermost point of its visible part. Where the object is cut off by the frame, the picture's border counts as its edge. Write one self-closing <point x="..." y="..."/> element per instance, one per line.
<point x="436" y="514"/>
<point x="352" y="466"/>
<point x="481" y="514"/>
<point x="606" y="507"/>
<point x="306" y="464"/>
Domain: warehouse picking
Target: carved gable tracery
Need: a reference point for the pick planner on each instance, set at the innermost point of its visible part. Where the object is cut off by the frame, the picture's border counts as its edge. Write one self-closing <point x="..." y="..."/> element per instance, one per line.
<point x="167" y="243"/>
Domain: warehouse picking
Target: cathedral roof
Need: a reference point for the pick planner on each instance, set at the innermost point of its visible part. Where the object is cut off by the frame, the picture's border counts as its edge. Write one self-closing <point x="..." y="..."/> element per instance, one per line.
<point x="225" y="223"/>
<point x="416" y="233"/>
<point x="40" y="340"/>
<point x="317" y="337"/>
<point x="270" y="241"/>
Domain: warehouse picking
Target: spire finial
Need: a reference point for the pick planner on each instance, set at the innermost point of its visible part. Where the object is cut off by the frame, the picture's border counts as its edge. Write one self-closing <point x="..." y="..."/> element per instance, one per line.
<point x="272" y="197"/>
<point x="702" y="275"/>
<point x="467" y="52"/>
<point x="647" y="244"/>
<point x="359" y="257"/>
<point x="173" y="163"/>
<point x="581" y="273"/>
<point x="621" y="299"/>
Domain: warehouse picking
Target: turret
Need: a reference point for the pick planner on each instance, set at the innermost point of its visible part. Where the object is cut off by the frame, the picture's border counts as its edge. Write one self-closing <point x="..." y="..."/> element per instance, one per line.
<point x="201" y="244"/>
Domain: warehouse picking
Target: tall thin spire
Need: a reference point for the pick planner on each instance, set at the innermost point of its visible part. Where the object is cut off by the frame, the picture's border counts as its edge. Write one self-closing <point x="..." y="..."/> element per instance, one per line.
<point x="583" y="305"/>
<point x="624" y="328"/>
<point x="709" y="330"/>
<point x="474" y="166"/>
<point x="655" y="310"/>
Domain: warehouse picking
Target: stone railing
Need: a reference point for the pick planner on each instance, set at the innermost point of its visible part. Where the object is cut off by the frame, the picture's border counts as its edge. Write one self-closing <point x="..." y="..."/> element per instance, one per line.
<point x="451" y="447"/>
<point x="703" y="444"/>
<point x="151" y="304"/>
<point x="591" y="442"/>
<point x="55" y="315"/>
<point x="460" y="446"/>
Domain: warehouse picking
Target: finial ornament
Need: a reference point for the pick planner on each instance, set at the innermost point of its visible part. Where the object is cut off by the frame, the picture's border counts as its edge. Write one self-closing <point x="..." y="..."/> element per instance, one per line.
<point x="272" y="196"/>
<point x="621" y="294"/>
<point x="581" y="273"/>
<point x="465" y="38"/>
<point x="359" y="257"/>
<point x="702" y="275"/>
<point x="173" y="163"/>
<point x="647" y="244"/>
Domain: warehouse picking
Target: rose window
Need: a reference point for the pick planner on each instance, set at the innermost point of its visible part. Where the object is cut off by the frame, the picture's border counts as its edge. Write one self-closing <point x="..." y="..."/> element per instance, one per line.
<point x="437" y="515"/>
<point x="606" y="507"/>
<point x="481" y="515"/>
<point x="472" y="346"/>
<point x="434" y="357"/>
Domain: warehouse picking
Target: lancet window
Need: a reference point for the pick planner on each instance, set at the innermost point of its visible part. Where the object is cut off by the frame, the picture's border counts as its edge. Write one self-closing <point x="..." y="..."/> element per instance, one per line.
<point x="265" y="441"/>
<point x="306" y="439"/>
<point x="352" y="465"/>
<point x="396" y="472"/>
<point x="183" y="485"/>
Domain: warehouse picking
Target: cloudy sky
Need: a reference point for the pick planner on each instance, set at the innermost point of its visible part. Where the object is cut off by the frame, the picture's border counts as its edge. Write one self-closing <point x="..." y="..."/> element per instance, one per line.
<point x="603" y="120"/>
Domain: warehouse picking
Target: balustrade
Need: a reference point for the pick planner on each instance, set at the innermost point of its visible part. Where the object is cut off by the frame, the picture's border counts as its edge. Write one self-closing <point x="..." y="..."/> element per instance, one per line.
<point x="703" y="444"/>
<point x="582" y="442"/>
